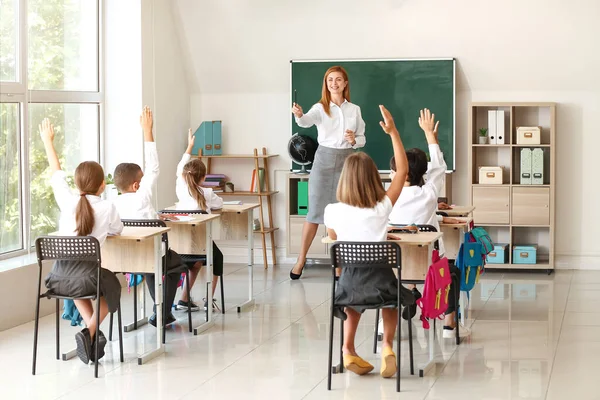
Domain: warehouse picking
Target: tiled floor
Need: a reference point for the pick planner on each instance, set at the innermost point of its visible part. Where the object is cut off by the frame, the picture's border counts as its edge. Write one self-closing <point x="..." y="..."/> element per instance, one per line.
<point x="533" y="337"/>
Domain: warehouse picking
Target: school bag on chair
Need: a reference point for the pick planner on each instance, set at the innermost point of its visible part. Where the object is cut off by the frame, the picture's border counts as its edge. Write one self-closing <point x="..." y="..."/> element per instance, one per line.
<point x="434" y="300"/>
<point x="469" y="261"/>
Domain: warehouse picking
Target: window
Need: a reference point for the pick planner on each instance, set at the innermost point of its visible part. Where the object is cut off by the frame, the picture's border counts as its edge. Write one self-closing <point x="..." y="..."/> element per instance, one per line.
<point x="61" y="82"/>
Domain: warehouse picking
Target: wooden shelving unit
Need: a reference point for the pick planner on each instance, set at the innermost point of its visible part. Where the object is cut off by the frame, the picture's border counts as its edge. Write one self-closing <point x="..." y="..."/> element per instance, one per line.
<point x="261" y="195"/>
<point x="513" y="213"/>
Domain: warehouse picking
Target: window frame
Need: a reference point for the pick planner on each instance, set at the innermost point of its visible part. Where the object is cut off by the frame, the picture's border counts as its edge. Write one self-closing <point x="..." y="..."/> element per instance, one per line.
<point x="18" y="92"/>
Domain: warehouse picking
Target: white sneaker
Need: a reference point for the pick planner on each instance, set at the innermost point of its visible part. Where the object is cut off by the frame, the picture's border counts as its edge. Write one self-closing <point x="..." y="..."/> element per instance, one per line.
<point x="462" y="332"/>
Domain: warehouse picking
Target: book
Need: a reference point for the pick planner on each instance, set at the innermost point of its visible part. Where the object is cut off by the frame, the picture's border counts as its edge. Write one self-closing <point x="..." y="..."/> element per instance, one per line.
<point x="215" y="176"/>
<point x="232" y="203"/>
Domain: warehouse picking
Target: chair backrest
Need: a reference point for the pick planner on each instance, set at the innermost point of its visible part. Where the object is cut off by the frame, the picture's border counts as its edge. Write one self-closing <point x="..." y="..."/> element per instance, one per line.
<point x="183" y="212"/>
<point x="68" y="248"/>
<point x="366" y="254"/>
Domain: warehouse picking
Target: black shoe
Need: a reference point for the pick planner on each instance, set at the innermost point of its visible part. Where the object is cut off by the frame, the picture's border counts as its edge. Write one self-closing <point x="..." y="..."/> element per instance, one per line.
<point x="84" y="345"/>
<point x="101" y="345"/>
<point x="170" y="320"/>
<point x="413" y="307"/>
<point x="294" y="276"/>
<point x="183" y="306"/>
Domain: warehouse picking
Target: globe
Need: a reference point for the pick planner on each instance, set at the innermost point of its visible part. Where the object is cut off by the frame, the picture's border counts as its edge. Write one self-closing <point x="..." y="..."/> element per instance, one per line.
<point x="302" y="150"/>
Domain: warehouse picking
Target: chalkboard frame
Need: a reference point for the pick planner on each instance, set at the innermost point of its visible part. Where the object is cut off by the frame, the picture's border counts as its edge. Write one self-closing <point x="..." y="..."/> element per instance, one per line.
<point x="452" y="168"/>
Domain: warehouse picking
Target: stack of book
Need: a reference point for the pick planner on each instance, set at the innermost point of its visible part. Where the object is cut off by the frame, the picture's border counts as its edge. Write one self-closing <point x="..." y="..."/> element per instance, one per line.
<point x="215" y="181"/>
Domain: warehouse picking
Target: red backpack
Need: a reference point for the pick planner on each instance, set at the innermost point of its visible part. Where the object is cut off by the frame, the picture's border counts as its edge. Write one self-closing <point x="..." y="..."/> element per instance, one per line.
<point x="434" y="301"/>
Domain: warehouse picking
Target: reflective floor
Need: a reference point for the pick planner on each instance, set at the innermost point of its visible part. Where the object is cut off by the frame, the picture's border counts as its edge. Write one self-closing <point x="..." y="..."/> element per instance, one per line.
<point x="533" y="337"/>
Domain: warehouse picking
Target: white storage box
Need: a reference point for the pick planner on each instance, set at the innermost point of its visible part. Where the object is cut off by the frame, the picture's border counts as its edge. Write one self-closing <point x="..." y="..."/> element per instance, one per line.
<point x="529" y="135"/>
<point x="490" y="175"/>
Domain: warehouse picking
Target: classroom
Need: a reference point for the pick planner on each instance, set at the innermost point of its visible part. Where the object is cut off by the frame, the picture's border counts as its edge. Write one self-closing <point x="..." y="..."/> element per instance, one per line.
<point x="342" y="199"/>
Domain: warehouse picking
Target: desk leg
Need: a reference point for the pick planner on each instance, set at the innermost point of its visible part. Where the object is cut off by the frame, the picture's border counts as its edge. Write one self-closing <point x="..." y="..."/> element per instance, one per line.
<point x="248" y="304"/>
<point x="461" y="305"/>
<point x="144" y="320"/>
<point x="424" y="370"/>
<point x="158" y="300"/>
<point x="209" y="273"/>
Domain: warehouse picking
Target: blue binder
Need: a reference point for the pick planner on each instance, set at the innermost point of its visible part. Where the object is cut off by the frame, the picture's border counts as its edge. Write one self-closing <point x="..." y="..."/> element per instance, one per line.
<point x="216" y="138"/>
<point x="208" y="138"/>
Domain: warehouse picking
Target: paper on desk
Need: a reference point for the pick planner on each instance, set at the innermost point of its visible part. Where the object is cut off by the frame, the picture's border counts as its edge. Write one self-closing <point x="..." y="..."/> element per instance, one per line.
<point x="232" y="203"/>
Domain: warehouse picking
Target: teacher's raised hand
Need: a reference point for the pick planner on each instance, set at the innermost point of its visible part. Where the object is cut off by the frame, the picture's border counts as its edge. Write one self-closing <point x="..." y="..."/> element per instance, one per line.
<point x="297" y="110"/>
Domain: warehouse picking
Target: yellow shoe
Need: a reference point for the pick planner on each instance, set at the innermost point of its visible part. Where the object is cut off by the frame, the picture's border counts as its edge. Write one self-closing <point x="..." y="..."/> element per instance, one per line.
<point x="357" y="365"/>
<point x="388" y="362"/>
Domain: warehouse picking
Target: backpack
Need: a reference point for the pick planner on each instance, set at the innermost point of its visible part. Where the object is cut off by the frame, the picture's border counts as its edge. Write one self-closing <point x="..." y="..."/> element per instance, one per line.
<point x="469" y="261"/>
<point x="480" y="235"/>
<point x="434" y="300"/>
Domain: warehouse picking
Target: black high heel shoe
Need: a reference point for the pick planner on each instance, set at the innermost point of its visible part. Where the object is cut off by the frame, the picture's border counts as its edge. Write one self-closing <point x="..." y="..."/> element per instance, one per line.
<point x="294" y="276"/>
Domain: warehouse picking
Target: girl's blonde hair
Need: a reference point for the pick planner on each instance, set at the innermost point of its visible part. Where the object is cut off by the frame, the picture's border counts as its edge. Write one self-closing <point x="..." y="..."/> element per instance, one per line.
<point x="326" y="96"/>
<point x="89" y="177"/>
<point x="193" y="174"/>
<point x="360" y="184"/>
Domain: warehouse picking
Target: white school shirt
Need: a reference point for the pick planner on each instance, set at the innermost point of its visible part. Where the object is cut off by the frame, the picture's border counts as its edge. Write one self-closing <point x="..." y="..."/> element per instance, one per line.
<point x="331" y="130"/>
<point x="418" y="204"/>
<point x="107" y="220"/>
<point x="185" y="199"/>
<point x="356" y="224"/>
<point x="138" y="205"/>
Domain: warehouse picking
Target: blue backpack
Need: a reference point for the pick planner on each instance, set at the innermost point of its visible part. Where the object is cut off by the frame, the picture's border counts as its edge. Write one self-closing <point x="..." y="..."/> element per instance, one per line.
<point x="480" y="235"/>
<point x="469" y="261"/>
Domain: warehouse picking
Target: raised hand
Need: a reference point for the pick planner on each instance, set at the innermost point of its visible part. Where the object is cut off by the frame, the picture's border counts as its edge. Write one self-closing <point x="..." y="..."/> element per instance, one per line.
<point x="146" y="120"/>
<point x="387" y="124"/>
<point x="46" y="131"/>
<point x="297" y="110"/>
<point x="429" y="125"/>
<point x="191" y="138"/>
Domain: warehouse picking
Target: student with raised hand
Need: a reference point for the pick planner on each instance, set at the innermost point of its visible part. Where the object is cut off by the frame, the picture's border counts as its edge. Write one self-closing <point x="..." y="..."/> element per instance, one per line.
<point x="83" y="214"/>
<point x="341" y="129"/>
<point x="362" y="214"/>
<point x="136" y="202"/>
<point x="418" y="204"/>
<point x="192" y="196"/>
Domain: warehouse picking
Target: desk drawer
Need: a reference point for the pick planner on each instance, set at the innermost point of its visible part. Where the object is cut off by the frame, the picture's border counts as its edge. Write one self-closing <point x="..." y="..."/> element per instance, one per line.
<point x="491" y="205"/>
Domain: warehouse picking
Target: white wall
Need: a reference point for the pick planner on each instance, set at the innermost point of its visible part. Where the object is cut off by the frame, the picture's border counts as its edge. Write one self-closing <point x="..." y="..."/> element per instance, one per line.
<point x="238" y="54"/>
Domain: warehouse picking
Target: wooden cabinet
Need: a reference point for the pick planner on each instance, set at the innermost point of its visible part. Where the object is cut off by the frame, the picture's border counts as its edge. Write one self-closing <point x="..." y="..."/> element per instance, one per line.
<point x="317" y="249"/>
<point x="530" y="206"/>
<point x="491" y="205"/>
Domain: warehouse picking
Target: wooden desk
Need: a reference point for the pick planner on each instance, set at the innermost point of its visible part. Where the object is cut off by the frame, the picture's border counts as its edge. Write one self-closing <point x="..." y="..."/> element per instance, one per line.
<point x="195" y="237"/>
<point x="416" y="258"/>
<point x="236" y="224"/>
<point x="459" y="211"/>
<point x="139" y="250"/>
<point x="454" y="235"/>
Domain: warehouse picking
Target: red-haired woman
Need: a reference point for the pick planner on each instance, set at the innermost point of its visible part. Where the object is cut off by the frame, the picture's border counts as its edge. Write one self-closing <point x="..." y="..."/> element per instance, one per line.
<point x="341" y="129"/>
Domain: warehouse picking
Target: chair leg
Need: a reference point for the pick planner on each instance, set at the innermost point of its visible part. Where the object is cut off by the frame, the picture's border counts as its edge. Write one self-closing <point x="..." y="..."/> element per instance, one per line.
<point x="457" y="301"/>
<point x="35" y="330"/>
<point x="341" y="346"/>
<point x="330" y="359"/>
<point x="398" y="348"/>
<point x="120" y="321"/>
<point x="110" y="327"/>
<point x="187" y="288"/>
<point x="208" y="305"/>
<point x="164" y="311"/>
<point x="222" y="294"/>
<point x="135" y="299"/>
<point x="410" y="346"/>
<point x="57" y="329"/>
<point x="97" y="332"/>
<point x="376" y="331"/>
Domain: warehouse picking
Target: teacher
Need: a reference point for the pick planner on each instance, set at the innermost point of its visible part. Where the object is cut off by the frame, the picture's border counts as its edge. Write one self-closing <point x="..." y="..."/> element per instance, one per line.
<point x="340" y="129"/>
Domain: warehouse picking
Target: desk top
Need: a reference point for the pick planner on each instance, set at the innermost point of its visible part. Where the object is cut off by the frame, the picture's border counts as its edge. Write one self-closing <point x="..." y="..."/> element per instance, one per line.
<point x="464" y="222"/>
<point x="413" y="239"/>
<point x="195" y="219"/>
<point x="230" y="208"/>
<point x="138" y="233"/>
<point x="458" y="211"/>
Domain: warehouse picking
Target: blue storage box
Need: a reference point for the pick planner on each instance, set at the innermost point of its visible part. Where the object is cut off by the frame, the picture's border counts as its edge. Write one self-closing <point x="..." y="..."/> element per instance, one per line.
<point x="208" y="138"/>
<point x="499" y="255"/>
<point x="525" y="254"/>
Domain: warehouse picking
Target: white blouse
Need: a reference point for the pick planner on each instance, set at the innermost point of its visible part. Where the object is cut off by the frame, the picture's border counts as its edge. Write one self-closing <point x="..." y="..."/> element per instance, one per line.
<point x="186" y="201"/>
<point x="106" y="218"/>
<point x="331" y="130"/>
<point x="354" y="224"/>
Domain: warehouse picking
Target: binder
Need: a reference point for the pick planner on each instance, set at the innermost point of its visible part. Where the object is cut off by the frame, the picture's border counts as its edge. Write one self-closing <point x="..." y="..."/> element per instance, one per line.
<point x="525" y="167"/>
<point x="492" y="126"/>
<point x="500" y="127"/>
<point x="204" y="139"/>
<point x="216" y="138"/>
<point x="537" y="167"/>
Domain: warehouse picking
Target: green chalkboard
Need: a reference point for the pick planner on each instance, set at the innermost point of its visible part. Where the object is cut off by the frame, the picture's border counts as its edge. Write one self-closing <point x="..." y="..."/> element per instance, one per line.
<point x="403" y="86"/>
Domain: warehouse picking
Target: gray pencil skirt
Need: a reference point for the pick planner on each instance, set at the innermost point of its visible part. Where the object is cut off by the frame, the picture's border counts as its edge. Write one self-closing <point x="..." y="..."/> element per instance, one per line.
<point x="323" y="182"/>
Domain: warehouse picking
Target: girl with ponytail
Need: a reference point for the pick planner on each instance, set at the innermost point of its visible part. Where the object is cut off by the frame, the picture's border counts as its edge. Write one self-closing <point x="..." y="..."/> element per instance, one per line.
<point x="192" y="196"/>
<point x="83" y="214"/>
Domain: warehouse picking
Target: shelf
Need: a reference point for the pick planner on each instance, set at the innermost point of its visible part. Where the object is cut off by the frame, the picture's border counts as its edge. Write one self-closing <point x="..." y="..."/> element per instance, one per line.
<point x="530" y="226"/>
<point x="488" y="185"/>
<point x="495" y="225"/>
<point x="239" y="156"/>
<point x="490" y="145"/>
<point x="509" y="104"/>
<point x="531" y="145"/>
<point x="245" y="193"/>
<point x="296" y="216"/>
<point x="266" y="230"/>
<point x="533" y="186"/>
<point x="518" y="266"/>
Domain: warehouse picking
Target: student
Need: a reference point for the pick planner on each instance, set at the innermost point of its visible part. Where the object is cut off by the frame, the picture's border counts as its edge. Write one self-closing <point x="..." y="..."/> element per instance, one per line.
<point x="192" y="196"/>
<point x="418" y="203"/>
<point x="83" y="214"/>
<point x="362" y="214"/>
<point x="135" y="202"/>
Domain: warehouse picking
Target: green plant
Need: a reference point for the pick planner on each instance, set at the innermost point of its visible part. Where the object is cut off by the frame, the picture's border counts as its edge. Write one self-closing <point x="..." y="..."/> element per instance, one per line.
<point x="109" y="180"/>
<point x="483" y="132"/>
